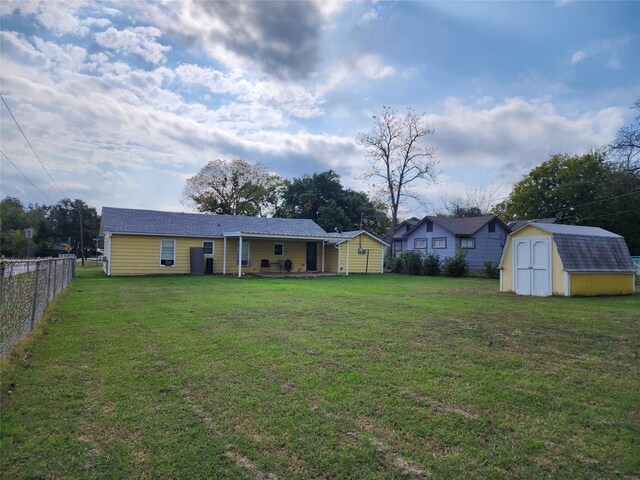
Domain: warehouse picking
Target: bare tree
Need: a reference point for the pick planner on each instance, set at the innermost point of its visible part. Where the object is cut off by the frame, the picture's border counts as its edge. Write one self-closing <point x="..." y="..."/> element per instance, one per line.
<point x="626" y="146"/>
<point x="232" y="188"/>
<point x="474" y="203"/>
<point x="398" y="158"/>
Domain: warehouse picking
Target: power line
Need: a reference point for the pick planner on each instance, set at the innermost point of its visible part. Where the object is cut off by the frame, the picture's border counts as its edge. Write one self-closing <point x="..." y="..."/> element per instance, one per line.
<point x="27" y="178"/>
<point x="592" y="202"/>
<point x="64" y="195"/>
<point x="610" y="214"/>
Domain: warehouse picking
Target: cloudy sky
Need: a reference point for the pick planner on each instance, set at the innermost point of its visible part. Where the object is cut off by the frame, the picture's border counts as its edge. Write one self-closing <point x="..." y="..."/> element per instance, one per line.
<point x="123" y="101"/>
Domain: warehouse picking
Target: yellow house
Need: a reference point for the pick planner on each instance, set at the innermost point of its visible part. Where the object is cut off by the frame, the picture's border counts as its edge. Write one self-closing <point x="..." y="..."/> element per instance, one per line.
<point x="545" y="259"/>
<point x="149" y="242"/>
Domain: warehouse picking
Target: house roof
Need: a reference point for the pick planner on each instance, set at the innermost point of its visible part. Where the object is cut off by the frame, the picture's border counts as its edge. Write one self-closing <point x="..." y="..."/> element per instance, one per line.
<point x="152" y="222"/>
<point x="518" y="224"/>
<point x="459" y="226"/>
<point x="589" y="249"/>
<point x="341" y="237"/>
<point x="409" y="224"/>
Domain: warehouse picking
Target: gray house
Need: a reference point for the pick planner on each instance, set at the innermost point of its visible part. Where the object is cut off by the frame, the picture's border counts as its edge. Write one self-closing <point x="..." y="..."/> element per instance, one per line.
<point x="482" y="237"/>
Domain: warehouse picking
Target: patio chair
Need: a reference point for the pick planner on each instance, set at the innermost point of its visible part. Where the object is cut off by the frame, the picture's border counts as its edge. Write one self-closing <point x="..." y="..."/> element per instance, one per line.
<point x="265" y="265"/>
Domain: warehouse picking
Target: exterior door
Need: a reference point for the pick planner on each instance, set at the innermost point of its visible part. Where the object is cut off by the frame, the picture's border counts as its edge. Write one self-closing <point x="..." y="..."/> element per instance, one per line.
<point x="532" y="266"/>
<point x="521" y="264"/>
<point x="312" y="256"/>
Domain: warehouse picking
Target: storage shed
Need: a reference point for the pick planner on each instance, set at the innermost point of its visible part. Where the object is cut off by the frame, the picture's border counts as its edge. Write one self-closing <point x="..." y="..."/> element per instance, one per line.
<point x="545" y="259"/>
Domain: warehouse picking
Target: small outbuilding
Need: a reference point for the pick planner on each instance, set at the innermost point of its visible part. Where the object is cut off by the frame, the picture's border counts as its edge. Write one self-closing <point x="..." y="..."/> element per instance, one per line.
<point x="548" y="259"/>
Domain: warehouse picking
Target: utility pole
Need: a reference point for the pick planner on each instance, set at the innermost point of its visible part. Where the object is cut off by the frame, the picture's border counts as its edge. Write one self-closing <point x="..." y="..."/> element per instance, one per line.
<point x="81" y="233"/>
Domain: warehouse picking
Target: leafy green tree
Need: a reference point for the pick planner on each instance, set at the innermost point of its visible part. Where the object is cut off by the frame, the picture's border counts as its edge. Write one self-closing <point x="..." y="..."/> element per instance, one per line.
<point x="233" y="188"/>
<point x="580" y="190"/>
<point x="322" y="198"/>
<point x="59" y="223"/>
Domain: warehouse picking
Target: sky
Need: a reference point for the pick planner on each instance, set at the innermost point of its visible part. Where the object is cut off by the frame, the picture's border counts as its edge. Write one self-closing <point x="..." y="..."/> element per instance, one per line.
<point x="123" y="101"/>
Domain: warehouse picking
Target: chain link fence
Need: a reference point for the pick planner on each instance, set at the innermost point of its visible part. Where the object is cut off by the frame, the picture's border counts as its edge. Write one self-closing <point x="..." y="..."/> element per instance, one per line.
<point x="26" y="288"/>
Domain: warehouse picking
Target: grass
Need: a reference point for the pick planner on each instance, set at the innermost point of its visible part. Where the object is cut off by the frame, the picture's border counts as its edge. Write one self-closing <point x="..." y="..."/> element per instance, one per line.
<point x="340" y="377"/>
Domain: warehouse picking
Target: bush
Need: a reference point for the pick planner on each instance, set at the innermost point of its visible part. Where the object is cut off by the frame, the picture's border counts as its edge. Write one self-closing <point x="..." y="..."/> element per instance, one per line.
<point x="491" y="269"/>
<point x="432" y="264"/>
<point x="412" y="262"/>
<point x="457" y="265"/>
<point x="393" y="264"/>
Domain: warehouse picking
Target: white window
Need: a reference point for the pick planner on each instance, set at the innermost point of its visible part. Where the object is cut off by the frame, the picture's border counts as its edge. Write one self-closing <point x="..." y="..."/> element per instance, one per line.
<point x="420" y="243"/>
<point x="208" y="247"/>
<point x="278" y="249"/>
<point x="245" y="254"/>
<point x="167" y="253"/>
<point x="439" y="242"/>
<point x="467" y="242"/>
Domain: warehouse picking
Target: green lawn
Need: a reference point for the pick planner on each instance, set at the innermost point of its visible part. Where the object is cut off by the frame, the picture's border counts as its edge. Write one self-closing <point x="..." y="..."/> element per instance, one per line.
<point x="340" y="377"/>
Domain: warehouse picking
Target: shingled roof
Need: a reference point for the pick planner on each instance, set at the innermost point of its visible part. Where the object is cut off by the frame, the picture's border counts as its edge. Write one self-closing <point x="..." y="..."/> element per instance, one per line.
<point x="518" y="224"/>
<point x="338" y="237"/>
<point x="459" y="226"/>
<point x="153" y="222"/>
<point x="589" y="249"/>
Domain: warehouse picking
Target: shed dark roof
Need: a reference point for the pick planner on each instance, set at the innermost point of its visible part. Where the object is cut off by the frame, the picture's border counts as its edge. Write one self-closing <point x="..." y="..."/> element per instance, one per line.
<point x="518" y="224"/>
<point x="460" y="226"/>
<point x="152" y="222"/>
<point x="581" y="253"/>
<point x="589" y="249"/>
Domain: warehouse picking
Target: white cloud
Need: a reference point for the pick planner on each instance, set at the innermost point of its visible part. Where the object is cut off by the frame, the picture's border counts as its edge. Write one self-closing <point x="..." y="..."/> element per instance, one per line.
<point x="370" y="15"/>
<point x="610" y="50"/>
<point x="137" y="40"/>
<point x="371" y="66"/>
<point x="353" y="69"/>
<point x="59" y="17"/>
<point x="578" y="56"/>
<point x="516" y="135"/>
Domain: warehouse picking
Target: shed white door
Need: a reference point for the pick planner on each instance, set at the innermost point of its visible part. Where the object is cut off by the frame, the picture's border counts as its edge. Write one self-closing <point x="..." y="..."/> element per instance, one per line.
<point x="532" y="266"/>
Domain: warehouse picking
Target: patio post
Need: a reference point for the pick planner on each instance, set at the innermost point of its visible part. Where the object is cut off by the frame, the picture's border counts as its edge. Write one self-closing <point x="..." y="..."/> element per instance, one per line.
<point x="347" y="269"/>
<point x="224" y="256"/>
<point x="322" y="256"/>
<point x="240" y="256"/>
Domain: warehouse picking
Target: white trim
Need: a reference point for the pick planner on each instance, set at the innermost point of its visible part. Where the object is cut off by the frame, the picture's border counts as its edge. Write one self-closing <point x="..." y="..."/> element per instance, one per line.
<point x="224" y="256"/>
<point x="501" y="287"/>
<point x="239" y="257"/>
<point x="347" y="269"/>
<point x="323" y="256"/>
<point x="567" y="284"/>
<point x="277" y="236"/>
<point x="108" y="253"/>
<point x="384" y="251"/>
<point x="339" y="247"/>
<point x="174" y="253"/>
<point x="213" y="247"/>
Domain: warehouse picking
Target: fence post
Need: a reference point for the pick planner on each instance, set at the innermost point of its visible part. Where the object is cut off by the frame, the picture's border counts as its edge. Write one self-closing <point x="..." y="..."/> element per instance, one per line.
<point x="48" y="282"/>
<point x="55" y="277"/>
<point x="35" y="297"/>
<point x="1" y="280"/>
